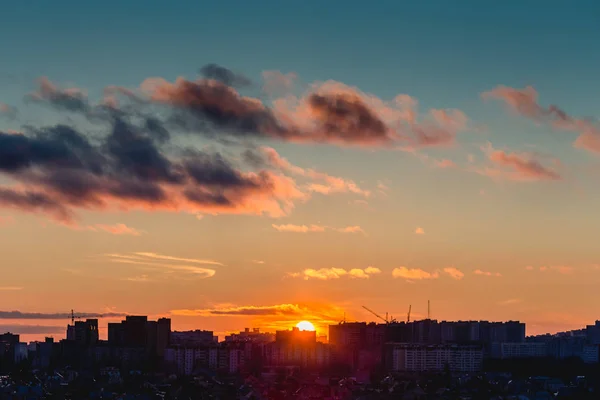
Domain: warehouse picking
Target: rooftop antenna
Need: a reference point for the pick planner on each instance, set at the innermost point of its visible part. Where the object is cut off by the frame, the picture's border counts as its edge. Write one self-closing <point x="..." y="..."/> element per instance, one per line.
<point x="428" y="310"/>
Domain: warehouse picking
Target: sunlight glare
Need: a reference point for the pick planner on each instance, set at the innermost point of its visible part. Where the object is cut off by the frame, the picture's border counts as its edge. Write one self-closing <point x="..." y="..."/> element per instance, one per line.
<point x="305" y="326"/>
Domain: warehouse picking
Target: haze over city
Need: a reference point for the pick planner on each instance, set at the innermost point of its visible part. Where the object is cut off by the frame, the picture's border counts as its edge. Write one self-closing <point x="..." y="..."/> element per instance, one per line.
<point x="263" y="164"/>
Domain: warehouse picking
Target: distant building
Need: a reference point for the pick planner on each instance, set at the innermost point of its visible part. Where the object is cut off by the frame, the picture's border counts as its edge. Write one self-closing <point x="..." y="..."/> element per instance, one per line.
<point x="519" y="350"/>
<point x="136" y="332"/>
<point x="254" y="335"/>
<point x="192" y="338"/>
<point x="433" y="358"/>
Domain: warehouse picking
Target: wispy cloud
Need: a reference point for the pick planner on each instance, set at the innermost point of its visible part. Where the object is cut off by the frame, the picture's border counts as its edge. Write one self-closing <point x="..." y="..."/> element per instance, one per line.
<point x="299" y="228"/>
<point x="411" y="274"/>
<point x="315" y="228"/>
<point x="517" y="166"/>
<point x="32" y="329"/>
<point x="320" y="182"/>
<point x="258" y="262"/>
<point x="117" y="229"/>
<point x="58" y="315"/>
<point x="524" y="102"/>
<point x="486" y="273"/>
<point x="335" y="273"/>
<point x="561" y="269"/>
<point x="419" y="231"/>
<point x="271" y="317"/>
<point x="10" y="288"/>
<point x="163" y="263"/>
<point x="171" y="258"/>
<point x="454" y="273"/>
<point x="509" y="302"/>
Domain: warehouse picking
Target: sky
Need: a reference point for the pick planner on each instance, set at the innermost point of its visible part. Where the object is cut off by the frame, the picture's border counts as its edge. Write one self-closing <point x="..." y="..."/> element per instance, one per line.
<point x="236" y="164"/>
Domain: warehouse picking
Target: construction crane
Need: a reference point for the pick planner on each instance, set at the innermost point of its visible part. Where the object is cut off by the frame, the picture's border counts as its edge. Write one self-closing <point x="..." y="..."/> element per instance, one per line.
<point x="73" y="316"/>
<point x="408" y="316"/>
<point x="375" y="314"/>
<point x="428" y="310"/>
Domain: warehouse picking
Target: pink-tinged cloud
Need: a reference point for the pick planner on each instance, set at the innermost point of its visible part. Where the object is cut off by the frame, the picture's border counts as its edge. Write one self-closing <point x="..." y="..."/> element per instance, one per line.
<point x="521" y="167"/>
<point x="6" y="220"/>
<point x="350" y="229"/>
<point x="337" y="113"/>
<point x="525" y="102"/>
<point x="315" y="228"/>
<point x="7" y="111"/>
<point x="419" y="231"/>
<point x="454" y="273"/>
<point x="66" y="99"/>
<point x="321" y="182"/>
<point x="277" y="83"/>
<point x="486" y="273"/>
<point x="117" y="229"/>
<point x="413" y="274"/>
<point x="445" y="163"/>
<point x="330" y="112"/>
<point x="529" y="268"/>
<point x="561" y="269"/>
<point x="299" y="228"/>
<point x="325" y="274"/>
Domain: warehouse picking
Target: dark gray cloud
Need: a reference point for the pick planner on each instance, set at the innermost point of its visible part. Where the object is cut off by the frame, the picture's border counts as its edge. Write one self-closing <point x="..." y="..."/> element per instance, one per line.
<point x="224" y="75"/>
<point x="57" y="316"/>
<point x="32" y="329"/>
<point x="72" y="99"/>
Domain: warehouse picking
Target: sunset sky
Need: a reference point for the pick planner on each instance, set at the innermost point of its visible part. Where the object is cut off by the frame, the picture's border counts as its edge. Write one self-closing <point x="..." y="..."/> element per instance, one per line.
<point x="255" y="164"/>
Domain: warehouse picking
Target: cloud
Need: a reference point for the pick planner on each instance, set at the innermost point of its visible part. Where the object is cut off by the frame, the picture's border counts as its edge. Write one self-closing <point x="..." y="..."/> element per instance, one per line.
<point x="509" y="302"/>
<point x="454" y="273"/>
<point x="10" y="288"/>
<point x="413" y="274"/>
<point x="32" y="329"/>
<point x="224" y="75"/>
<point x="277" y="83"/>
<point x="518" y="167"/>
<point x="65" y="316"/>
<point x="6" y="220"/>
<point x="298" y="228"/>
<point x="419" y="231"/>
<point x="167" y="267"/>
<point x="8" y="111"/>
<point x="171" y="258"/>
<point x="258" y="262"/>
<point x="70" y="99"/>
<point x="335" y="273"/>
<point x="118" y="229"/>
<point x="139" y="278"/>
<point x="328" y="112"/>
<point x="561" y="269"/>
<point x="524" y="102"/>
<point x="60" y="171"/>
<point x="372" y="270"/>
<point x="315" y="228"/>
<point x="320" y="182"/>
<point x="486" y="273"/>
<point x="445" y="163"/>
<point x="278" y="309"/>
<point x="350" y="229"/>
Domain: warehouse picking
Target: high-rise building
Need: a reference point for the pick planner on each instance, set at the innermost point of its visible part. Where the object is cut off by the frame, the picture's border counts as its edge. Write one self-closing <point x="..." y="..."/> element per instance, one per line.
<point x="84" y="333"/>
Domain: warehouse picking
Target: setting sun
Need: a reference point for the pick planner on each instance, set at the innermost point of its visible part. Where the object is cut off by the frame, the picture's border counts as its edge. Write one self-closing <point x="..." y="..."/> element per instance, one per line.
<point x="305" y="326"/>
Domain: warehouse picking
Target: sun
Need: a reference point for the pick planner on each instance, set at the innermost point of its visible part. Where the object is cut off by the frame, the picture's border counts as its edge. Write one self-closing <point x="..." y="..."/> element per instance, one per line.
<point x="305" y="326"/>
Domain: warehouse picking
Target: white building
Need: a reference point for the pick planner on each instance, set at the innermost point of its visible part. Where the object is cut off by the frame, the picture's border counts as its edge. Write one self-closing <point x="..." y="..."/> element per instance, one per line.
<point x="417" y="357"/>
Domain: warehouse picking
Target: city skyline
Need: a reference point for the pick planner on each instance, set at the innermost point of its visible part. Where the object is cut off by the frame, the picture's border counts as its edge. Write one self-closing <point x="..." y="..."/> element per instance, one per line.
<point x="298" y="163"/>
